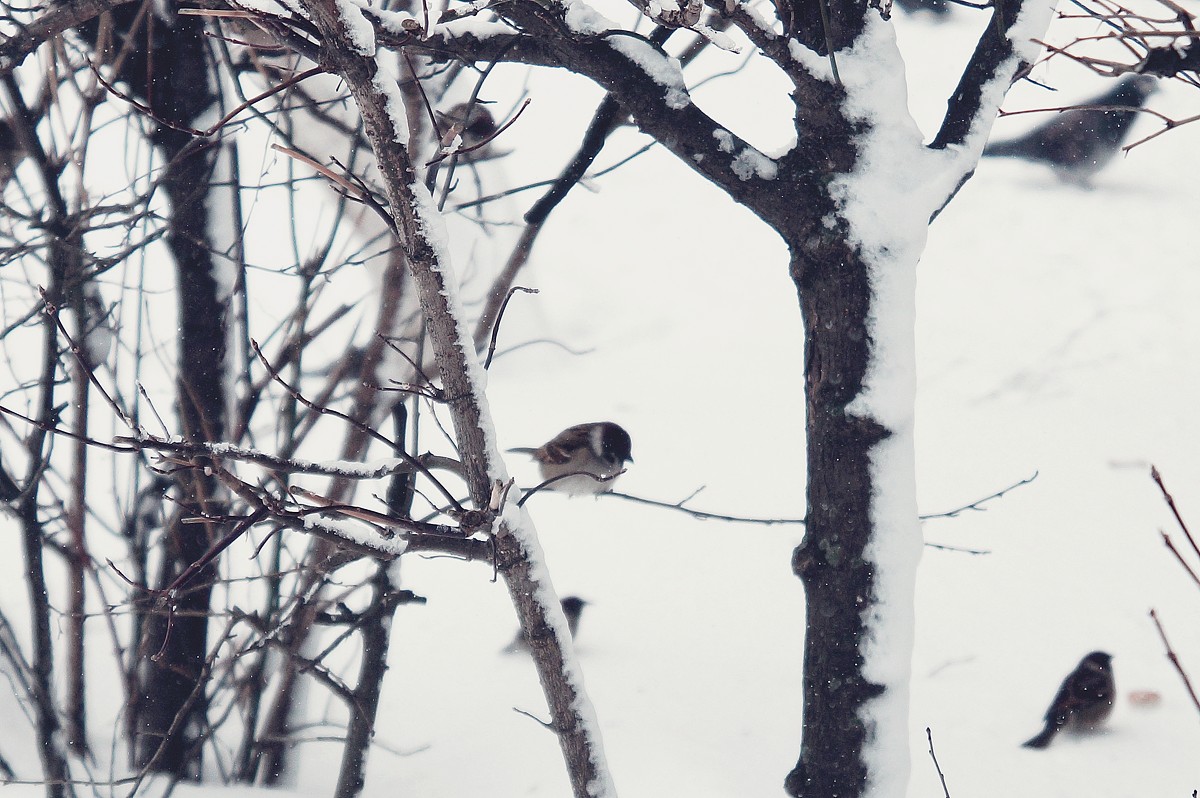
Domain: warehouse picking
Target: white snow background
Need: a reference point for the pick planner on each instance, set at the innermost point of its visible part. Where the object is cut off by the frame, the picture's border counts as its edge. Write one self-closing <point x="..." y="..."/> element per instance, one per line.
<point x="1057" y="333"/>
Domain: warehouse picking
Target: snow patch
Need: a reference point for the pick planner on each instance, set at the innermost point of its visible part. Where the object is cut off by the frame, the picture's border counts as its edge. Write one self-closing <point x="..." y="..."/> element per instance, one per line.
<point x="356" y="532"/>
<point x="387" y="83"/>
<point x="662" y="69"/>
<point x="474" y="26"/>
<point x="359" y="30"/>
<point x="813" y="62"/>
<point x="751" y="163"/>
<point x="583" y="19"/>
<point x="724" y="139"/>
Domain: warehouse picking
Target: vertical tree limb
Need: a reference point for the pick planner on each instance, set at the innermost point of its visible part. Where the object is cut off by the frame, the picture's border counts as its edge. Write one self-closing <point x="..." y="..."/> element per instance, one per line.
<point x="416" y="226"/>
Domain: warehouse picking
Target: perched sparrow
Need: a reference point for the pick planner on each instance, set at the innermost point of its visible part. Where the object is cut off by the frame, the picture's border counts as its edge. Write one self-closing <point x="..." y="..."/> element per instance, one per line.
<point x="1084" y="701"/>
<point x="475" y="121"/>
<point x="572" y="607"/>
<point x="1080" y="142"/>
<point x="576" y="456"/>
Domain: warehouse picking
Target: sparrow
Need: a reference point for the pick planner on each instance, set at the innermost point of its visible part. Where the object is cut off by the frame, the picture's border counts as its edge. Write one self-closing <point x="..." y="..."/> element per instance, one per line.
<point x="572" y="607"/>
<point x="474" y="121"/>
<point x="583" y="460"/>
<point x="11" y="152"/>
<point x="1084" y="701"/>
<point x="468" y="130"/>
<point x="9" y="490"/>
<point x="1078" y="143"/>
<point x="935" y="7"/>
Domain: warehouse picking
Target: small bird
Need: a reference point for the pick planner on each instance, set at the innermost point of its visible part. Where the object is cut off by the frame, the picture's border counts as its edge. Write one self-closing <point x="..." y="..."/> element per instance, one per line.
<point x="572" y="607"/>
<point x="583" y="460"/>
<point x="474" y="120"/>
<point x="11" y="152"/>
<point x="936" y="7"/>
<point x="1083" y="702"/>
<point x="1080" y="142"/>
<point x="9" y="489"/>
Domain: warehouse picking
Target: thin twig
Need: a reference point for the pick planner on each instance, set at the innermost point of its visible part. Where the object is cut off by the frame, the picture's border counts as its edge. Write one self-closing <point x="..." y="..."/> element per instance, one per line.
<point x="487" y="362"/>
<point x="548" y="482"/>
<point x="544" y="724"/>
<point x="1179" y="557"/>
<point x="681" y="505"/>
<point x="957" y="549"/>
<point x="978" y="503"/>
<point x="937" y="767"/>
<point x="51" y="310"/>
<point x="1174" y="510"/>
<point x="358" y="425"/>
<point x="1187" y="683"/>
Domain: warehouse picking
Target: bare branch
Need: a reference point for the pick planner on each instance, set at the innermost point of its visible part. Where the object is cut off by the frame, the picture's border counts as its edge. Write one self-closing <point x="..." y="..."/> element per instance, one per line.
<point x="1170" y="500"/>
<point x="1175" y="663"/>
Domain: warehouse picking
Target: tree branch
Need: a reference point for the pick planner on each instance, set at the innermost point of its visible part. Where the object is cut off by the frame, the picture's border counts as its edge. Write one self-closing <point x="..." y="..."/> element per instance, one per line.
<point x="995" y="59"/>
<point x="418" y="227"/>
<point x="54" y="22"/>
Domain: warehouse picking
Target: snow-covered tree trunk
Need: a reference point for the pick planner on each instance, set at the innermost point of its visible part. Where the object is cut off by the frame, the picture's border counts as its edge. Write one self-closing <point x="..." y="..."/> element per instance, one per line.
<point x="854" y="264"/>
<point x="855" y="272"/>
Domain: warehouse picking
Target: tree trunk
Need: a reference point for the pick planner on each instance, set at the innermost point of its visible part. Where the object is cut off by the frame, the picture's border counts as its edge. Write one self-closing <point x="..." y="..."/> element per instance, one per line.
<point x="172" y="705"/>
<point x="166" y="68"/>
<point x="831" y="562"/>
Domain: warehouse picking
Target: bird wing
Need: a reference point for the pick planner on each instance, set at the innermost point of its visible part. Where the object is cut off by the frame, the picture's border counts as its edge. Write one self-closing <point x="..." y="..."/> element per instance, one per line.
<point x="563" y="446"/>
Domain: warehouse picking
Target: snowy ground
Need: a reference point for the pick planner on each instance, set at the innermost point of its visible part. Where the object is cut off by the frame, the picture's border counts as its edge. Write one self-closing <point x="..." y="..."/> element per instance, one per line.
<point x="1057" y="334"/>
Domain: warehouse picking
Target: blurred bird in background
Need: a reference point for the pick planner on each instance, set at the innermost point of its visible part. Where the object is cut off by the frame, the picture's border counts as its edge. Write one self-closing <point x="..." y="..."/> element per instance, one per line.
<point x="572" y="607"/>
<point x="1079" y="142"/>
<point x="936" y="7"/>
<point x="1083" y="702"/>
<point x="11" y="152"/>
<point x="9" y="489"/>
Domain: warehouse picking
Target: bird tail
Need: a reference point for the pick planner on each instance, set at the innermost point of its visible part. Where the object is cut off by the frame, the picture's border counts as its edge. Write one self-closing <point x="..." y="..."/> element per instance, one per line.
<point x="1005" y="149"/>
<point x="1043" y="738"/>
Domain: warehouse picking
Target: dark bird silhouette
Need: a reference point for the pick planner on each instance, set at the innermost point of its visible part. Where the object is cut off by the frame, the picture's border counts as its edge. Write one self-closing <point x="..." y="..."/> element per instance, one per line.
<point x="9" y="489"/>
<point x="1083" y="702"/>
<point x="1081" y="141"/>
<point x="11" y="152"/>
<point x="935" y="7"/>
<point x="572" y="607"/>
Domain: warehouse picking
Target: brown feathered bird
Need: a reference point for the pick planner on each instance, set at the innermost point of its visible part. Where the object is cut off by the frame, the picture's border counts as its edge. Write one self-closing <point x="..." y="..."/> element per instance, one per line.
<point x="585" y="459"/>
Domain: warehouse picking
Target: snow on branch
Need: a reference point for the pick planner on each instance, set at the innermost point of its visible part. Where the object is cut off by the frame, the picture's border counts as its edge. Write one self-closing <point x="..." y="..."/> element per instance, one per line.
<point x="1005" y="49"/>
<point x="421" y="234"/>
